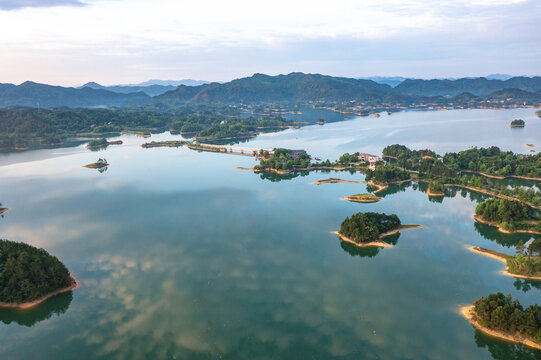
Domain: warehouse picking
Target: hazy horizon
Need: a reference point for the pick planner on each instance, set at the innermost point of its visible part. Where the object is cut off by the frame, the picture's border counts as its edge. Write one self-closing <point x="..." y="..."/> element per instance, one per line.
<point x="71" y="42"/>
<point x="144" y="81"/>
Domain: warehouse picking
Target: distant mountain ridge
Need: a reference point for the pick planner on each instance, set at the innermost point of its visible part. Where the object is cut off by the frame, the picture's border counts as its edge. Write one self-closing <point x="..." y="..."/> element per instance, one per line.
<point x="476" y="86"/>
<point x="300" y="87"/>
<point x="260" y="88"/>
<point x="42" y="95"/>
<point x="294" y="87"/>
<point x="150" y="87"/>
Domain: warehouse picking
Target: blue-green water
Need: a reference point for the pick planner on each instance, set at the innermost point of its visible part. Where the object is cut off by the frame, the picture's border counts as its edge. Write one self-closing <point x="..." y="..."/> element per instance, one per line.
<point x="179" y="255"/>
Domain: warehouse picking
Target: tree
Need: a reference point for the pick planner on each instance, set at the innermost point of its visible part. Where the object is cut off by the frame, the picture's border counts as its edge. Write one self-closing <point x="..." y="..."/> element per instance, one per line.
<point x="535" y="247"/>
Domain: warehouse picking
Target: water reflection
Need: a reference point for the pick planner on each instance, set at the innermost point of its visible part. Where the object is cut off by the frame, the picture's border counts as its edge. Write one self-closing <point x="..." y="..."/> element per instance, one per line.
<point x="527" y="285"/>
<point x="505" y="350"/>
<point x="273" y="177"/>
<point x="368" y="252"/>
<point x="493" y="234"/>
<point x="56" y="305"/>
<point x="353" y="250"/>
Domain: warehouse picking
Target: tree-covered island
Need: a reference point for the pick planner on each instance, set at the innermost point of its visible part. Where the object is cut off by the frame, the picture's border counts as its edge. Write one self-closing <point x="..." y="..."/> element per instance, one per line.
<point x="501" y="316"/>
<point x="362" y="198"/>
<point x="29" y="275"/>
<point x="101" y="163"/>
<point x="283" y="159"/>
<point x="101" y="142"/>
<point x="518" y="123"/>
<point x="508" y="215"/>
<point x="368" y="229"/>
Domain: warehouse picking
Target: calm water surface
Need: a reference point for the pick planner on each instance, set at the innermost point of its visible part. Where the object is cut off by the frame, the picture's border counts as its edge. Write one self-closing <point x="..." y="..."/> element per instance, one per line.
<point x="179" y="255"/>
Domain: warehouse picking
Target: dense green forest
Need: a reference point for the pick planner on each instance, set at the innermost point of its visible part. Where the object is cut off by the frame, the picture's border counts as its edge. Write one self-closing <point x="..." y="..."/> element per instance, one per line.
<point x="284" y="159"/>
<point x="367" y="227"/>
<point x="28" y="273"/>
<point x="237" y="128"/>
<point x="518" y="122"/>
<point x="510" y="215"/>
<point x="490" y="161"/>
<point x="436" y="187"/>
<point x="18" y="126"/>
<point x="97" y="142"/>
<point x="500" y="312"/>
<point x="387" y="174"/>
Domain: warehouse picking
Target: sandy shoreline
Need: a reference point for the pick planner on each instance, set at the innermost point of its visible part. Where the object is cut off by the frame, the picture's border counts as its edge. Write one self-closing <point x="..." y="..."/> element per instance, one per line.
<point x="429" y="193"/>
<point x="362" y="200"/>
<point x="334" y="181"/>
<point x="467" y="312"/>
<point x="500" y="177"/>
<point x="377" y="243"/>
<point x="30" y="304"/>
<point x="93" y="166"/>
<point x="503" y="260"/>
<point x="362" y="245"/>
<point x="500" y="229"/>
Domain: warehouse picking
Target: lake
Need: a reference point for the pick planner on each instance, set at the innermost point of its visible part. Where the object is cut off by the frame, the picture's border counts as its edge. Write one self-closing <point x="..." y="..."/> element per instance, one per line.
<point x="180" y="256"/>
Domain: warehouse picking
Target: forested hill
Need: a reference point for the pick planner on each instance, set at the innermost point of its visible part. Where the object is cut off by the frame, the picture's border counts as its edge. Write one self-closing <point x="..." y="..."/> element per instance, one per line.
<point x="477" y="86"/>
<point x="41" y="95"/>
<point x="302" y="88"/>
<point x="150" y="90"/>
<point x="293" y="88"/>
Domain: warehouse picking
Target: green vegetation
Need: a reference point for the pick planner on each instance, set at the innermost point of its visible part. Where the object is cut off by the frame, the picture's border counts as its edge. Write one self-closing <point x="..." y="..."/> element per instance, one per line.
<point x="508" y="214"/>
<point x="28" y="273"/>
<point x="368" y="227"/>
<point x="363" y="198"/>
<point x="97" y="143"/>
<point x="348" y="158"/>
<point x="491" y="161"/>
<point x="21" y="126"/>
<point x="98" y="164"/>
<point x="169" y="143"/>
<point x="284" y="159"/>
<point x="518" y="123"/>
<point x="528" y="260"/>
<point x="241" y="128"/>
<point x="387" y="174"/>
<point x="502" y="313"/>
<point x="436" y="187"/>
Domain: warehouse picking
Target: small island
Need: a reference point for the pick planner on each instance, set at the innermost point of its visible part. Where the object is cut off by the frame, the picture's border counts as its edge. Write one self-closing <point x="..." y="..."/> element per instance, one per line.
<point x="518" y="123"/>
<point x="436" y="188"/>
<point x="144" y="134"/>
<point x="362" y="198"/>
<point x="101" y="163"/>
<point x="502" y="317"/>
<point x="509" y="216"/>
<point x="368" y="229"/>
<point x="29" y="276"/>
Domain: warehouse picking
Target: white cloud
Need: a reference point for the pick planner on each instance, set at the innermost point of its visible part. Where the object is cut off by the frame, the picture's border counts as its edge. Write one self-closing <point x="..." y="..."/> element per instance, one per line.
<point x="166" y="35"/>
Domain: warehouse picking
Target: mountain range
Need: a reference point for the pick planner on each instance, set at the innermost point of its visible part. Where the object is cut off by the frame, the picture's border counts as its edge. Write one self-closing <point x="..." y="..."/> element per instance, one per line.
<point x="260" y="88"/>
<point x="32" y="94"/>
<point x="150" y="87"/>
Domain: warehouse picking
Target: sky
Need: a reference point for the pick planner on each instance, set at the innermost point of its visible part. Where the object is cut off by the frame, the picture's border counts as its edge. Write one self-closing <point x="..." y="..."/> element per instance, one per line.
<point x="71" y="42"/>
